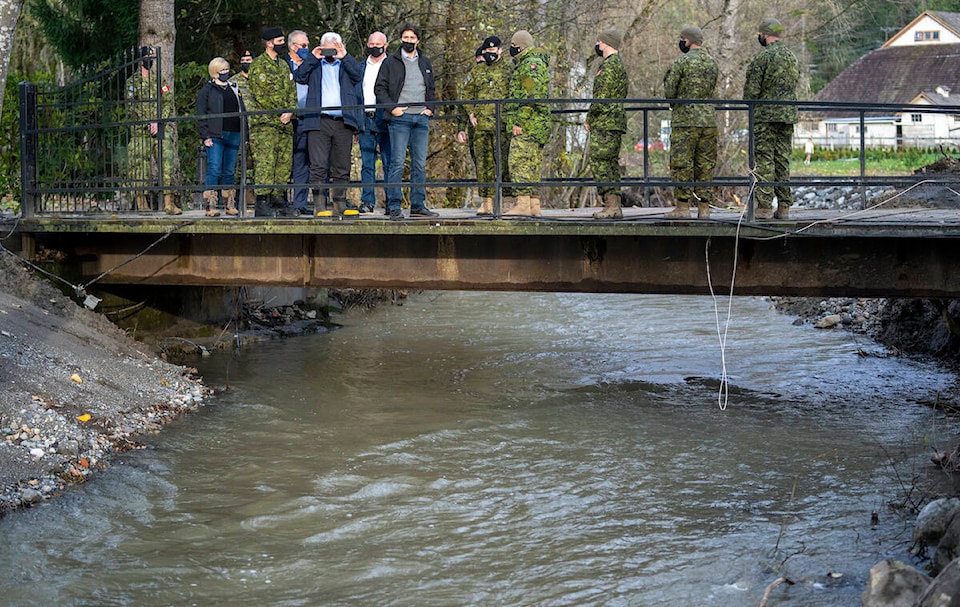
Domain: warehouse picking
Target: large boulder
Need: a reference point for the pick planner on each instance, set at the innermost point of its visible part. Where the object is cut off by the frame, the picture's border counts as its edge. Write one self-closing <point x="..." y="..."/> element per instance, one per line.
<point x="894" y="584"/>
<point x="944" y="591"/>
<point x="938" y="524"/>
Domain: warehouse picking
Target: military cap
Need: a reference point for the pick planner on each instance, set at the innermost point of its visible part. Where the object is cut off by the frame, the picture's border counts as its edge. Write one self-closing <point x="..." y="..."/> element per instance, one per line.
<point x="692" y="34"/>
<point x="246" y="55"/>
<point x="269" y="33"/>
<point x="611" y="38"/>
<point x="522" y="39"/>
<point x="490" y="42"/>
<point x="771" y="27"/>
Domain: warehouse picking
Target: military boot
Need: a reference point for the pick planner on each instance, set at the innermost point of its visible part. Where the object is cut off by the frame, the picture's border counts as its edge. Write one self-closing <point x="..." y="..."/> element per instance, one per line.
<point x="611" y="207"/>
<point x="782" y="212"/>
<point x="142" y="203"/>
<point x="763" y="213"/>
<point x="681" y="212"/>
<point x="703" y="210"/>
<point x="522" y="207"/>
<point x="486" y="206"/>
<point x="261" y="207"/>
<point x="534" y="206"/>
<point x="229" y="201"/>
<point x="210" y="203"/>
<point x="170" y="206"/>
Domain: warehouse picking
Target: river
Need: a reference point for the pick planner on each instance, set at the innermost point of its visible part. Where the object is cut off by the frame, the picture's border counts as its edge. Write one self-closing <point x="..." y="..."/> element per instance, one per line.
<point x="509" y="449"/>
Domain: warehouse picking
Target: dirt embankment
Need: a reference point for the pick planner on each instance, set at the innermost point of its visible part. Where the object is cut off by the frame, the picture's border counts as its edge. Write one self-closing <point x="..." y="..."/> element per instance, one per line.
<point x="75" y="389"/>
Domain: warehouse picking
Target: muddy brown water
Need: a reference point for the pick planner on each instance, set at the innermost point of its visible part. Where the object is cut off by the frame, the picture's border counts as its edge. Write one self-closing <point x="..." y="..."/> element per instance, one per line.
<point x="508" y="449"/>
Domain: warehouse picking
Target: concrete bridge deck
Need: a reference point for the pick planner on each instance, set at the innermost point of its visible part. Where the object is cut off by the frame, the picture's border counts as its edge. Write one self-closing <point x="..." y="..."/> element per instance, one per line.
<point x="900" y="252"/>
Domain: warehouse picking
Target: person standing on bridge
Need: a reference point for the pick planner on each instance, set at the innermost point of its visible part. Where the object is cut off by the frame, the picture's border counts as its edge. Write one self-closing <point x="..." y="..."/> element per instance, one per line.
<point x="220" y="135"/>
<point x="773" y="75"/>
<point x="271" y="135"/>
<point x="374" y="135"/>
<point x="242" y="80"/>
<point x="488" y="80"/>
<point x="607" y="122"/>
<point x="693" y="126"/>
<point x="529" y="120"/>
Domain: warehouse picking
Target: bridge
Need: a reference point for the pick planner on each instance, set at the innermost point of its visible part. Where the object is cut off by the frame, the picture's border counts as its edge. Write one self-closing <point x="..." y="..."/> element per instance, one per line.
<point x="879" y="252"/>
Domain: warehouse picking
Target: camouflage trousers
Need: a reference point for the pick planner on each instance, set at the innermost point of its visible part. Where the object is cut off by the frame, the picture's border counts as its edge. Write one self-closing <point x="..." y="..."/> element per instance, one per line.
<point x="693" y="157"/>
<point x="605" y="159"/>
<point x="142" y="153"/>
<point x="484" y="148"/>
<point x="526" y="162"/>
<point x="272" y="150"/>
<point x="772" y="145"/>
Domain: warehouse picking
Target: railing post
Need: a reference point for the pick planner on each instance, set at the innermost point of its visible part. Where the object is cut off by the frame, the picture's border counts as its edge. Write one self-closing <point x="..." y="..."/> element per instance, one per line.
<point x="863" y="160"/>
<point x="28" y="149"/>
<point x="751" y="160"/>
<point x="497" y="161"/>
<point x="646" y="157"/>
<point x="160" y="123"/>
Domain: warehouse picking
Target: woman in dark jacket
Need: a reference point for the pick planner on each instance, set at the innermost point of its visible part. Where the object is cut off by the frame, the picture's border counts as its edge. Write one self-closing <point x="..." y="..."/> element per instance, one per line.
<point x="220" y="135"/>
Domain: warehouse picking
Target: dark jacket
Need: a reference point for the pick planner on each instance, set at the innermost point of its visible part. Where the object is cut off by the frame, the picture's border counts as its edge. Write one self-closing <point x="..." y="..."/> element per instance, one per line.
<point x="391" y="77"/>
<point x="209" y="102"/>
<point x="310" y="73"/>
<point x="379" y="123"/>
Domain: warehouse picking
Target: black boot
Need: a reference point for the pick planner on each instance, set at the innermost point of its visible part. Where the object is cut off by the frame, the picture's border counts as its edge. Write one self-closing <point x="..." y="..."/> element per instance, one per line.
<point x="261" y="207"/>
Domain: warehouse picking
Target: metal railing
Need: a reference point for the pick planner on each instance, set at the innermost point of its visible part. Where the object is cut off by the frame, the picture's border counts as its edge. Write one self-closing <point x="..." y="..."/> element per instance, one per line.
<point x="76" y="144"/>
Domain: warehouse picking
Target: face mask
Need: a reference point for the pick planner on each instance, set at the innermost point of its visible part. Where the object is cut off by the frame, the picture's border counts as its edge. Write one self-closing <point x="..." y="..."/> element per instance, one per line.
<point x="514" y="51"/>
<point x="762" y="39"/>
<point x="684" y="47"/>
<point x="408" y="47"/>
<point x="596" y="49"/>
<point x="244" y="67"/>
<point x="302" y="53"/>
<point x="374" y="51"/>
<point x="490" y="58"/>
<point x="148" y="63"/>
<point x="223" y="76"/>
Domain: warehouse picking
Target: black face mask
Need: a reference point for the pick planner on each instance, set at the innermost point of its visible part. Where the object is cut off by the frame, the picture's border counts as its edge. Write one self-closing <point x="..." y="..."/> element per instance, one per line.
<point x="408" y="47"/>
<point x="762" y="39"/>
<point x="514" y="51"/>
<point x="223" y="76"/>
<point x="490" y="58"/>
<point x="148" y="63"/>
<point x="374" y="51"/>
<point x="684" y="47"/>
<point x="244" y="67"/>
<point x="596" y="49"/>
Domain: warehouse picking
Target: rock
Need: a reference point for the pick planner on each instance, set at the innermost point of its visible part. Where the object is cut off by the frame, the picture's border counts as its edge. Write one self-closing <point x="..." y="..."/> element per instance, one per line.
<point x="944" y="591"/>
<point x="934" y="519"/>
<point x="31" y="496"/>
<point x="37" y="452"/>
<point x="69" y="448"/>
<point x="828" y="322"/>
<point x="893" y="584"/>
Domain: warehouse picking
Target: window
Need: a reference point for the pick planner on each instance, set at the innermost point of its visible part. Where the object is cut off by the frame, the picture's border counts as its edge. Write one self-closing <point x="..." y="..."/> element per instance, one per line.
<point x="926" y="36"/>
<point x="916" y="118"/>
<point x="956" y="117"/>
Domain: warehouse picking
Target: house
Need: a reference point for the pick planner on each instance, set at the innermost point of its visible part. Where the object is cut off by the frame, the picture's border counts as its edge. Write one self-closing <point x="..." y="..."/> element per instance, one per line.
<point x="919" y="65"/>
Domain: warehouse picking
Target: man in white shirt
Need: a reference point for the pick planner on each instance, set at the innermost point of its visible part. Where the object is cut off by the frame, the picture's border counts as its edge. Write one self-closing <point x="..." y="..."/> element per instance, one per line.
<point x="374" y="136"/>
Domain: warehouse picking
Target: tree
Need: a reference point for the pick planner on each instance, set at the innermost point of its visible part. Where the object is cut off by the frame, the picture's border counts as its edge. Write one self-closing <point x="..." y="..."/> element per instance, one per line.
<point x="86" y="32"/>
<point x="9" y="17"/>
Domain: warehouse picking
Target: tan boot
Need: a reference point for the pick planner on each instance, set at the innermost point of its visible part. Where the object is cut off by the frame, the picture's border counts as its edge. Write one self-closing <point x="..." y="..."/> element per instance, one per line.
<point x="703" y="210"/>
<point x="210" y="203"/>
<point x="534" y="206"/>
<point x="142" y="204"/>
<point x="169" y="206"/>
<point x="229" y="201"/>
<point x="681" y="212"/>
<point x="522" y="207"/>
<point x="782" y="212"/>
<point x="763" y="213"/>
<point x="611" y="207"/>
<point x="507" y="203"/>
<point x="486" y="206"/>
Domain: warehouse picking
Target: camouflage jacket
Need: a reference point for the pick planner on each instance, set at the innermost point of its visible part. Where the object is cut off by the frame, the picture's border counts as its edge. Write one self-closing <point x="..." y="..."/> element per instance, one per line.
<point x="487" y="82"/>
<point x="609" y="83"/>
<point x="530" y="80"/>
<point x="243" y="87"/>
<point x="773" y="74"/>
<point x="692" y="76"/>
<point x="142" y="98"/>
<point x="271" y="88"/>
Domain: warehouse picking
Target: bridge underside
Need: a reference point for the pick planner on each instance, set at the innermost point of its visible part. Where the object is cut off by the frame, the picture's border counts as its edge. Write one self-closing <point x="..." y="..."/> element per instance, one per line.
<point x="511" y="256"/>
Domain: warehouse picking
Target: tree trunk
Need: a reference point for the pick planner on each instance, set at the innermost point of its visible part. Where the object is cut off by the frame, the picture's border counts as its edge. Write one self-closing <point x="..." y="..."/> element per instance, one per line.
<point x="158" y="28"/>
<point x="9" y="16"/>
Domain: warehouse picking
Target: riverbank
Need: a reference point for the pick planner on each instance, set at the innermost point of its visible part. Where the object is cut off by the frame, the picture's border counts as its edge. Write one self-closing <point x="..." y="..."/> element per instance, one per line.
<point x="76" y="390"/>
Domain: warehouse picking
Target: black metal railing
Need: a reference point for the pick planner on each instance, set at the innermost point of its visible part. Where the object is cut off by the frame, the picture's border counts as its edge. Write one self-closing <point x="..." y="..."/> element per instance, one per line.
<point x="76" y="144"/>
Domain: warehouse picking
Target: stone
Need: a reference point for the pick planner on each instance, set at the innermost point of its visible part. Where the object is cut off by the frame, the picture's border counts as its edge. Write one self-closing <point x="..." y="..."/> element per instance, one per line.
<point x="934" y="519"/>
<point x="944" y="591"/>
<point x="31" y="496"/>
<point x="828" y="322"/>
<point x="893" y="584"/>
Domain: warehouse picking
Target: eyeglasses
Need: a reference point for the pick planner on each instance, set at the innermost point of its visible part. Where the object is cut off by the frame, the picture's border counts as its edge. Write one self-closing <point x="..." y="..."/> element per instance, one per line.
<point x="303" y="45"/>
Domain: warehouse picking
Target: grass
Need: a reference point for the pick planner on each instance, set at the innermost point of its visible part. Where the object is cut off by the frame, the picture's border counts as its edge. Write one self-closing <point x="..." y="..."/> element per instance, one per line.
<point x="893" y="165"/>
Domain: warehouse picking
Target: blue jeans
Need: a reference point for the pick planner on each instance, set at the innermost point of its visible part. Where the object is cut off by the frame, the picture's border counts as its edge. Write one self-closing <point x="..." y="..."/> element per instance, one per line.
<point x="408" y="131"/>
<point x="222" y="159"/>
<point x="371" y="142"/>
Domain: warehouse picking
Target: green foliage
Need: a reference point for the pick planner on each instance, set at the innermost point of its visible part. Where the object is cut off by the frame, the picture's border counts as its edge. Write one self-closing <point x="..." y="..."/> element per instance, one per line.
<point x="10" y="142"/>
<point x="86" y="32"/>
<point x="189" y="79"/>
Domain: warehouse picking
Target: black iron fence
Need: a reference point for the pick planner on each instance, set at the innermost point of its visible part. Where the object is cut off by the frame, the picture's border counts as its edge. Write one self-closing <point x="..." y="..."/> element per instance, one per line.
<point x="87" y="147"/>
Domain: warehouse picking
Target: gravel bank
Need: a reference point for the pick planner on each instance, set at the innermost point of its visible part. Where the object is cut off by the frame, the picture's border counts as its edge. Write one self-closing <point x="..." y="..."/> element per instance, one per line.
<point x="75" y="390"/>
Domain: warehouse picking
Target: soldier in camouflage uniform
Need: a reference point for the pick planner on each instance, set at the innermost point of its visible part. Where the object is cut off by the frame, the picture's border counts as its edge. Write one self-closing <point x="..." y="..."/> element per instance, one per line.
<point x="242" y="80"/>
<point x="773" y="74"/>
<point x="693" y="135"/>
<point x="271" y="136"/>
<point x="530" y="120"/>
<point x="607" y="122"/>
<point x="487" y="80"/>
<point x="146" y="139"/>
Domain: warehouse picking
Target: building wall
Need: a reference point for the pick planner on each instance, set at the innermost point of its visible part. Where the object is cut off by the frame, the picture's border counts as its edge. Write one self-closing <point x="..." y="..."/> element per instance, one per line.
<point x="925" y="31"/>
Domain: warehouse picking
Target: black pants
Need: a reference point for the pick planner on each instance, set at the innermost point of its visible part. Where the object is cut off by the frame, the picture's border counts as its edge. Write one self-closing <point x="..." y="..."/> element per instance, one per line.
<point x="330" y="147"/>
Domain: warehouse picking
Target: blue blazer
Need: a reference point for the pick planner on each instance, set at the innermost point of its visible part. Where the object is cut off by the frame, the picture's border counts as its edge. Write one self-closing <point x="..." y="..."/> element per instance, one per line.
<point x="309" y="73"/>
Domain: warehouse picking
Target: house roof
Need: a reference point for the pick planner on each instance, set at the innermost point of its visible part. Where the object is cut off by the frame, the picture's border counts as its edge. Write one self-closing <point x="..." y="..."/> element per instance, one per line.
<point x="897" y="74"/>
<point x="951" y="21"/>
